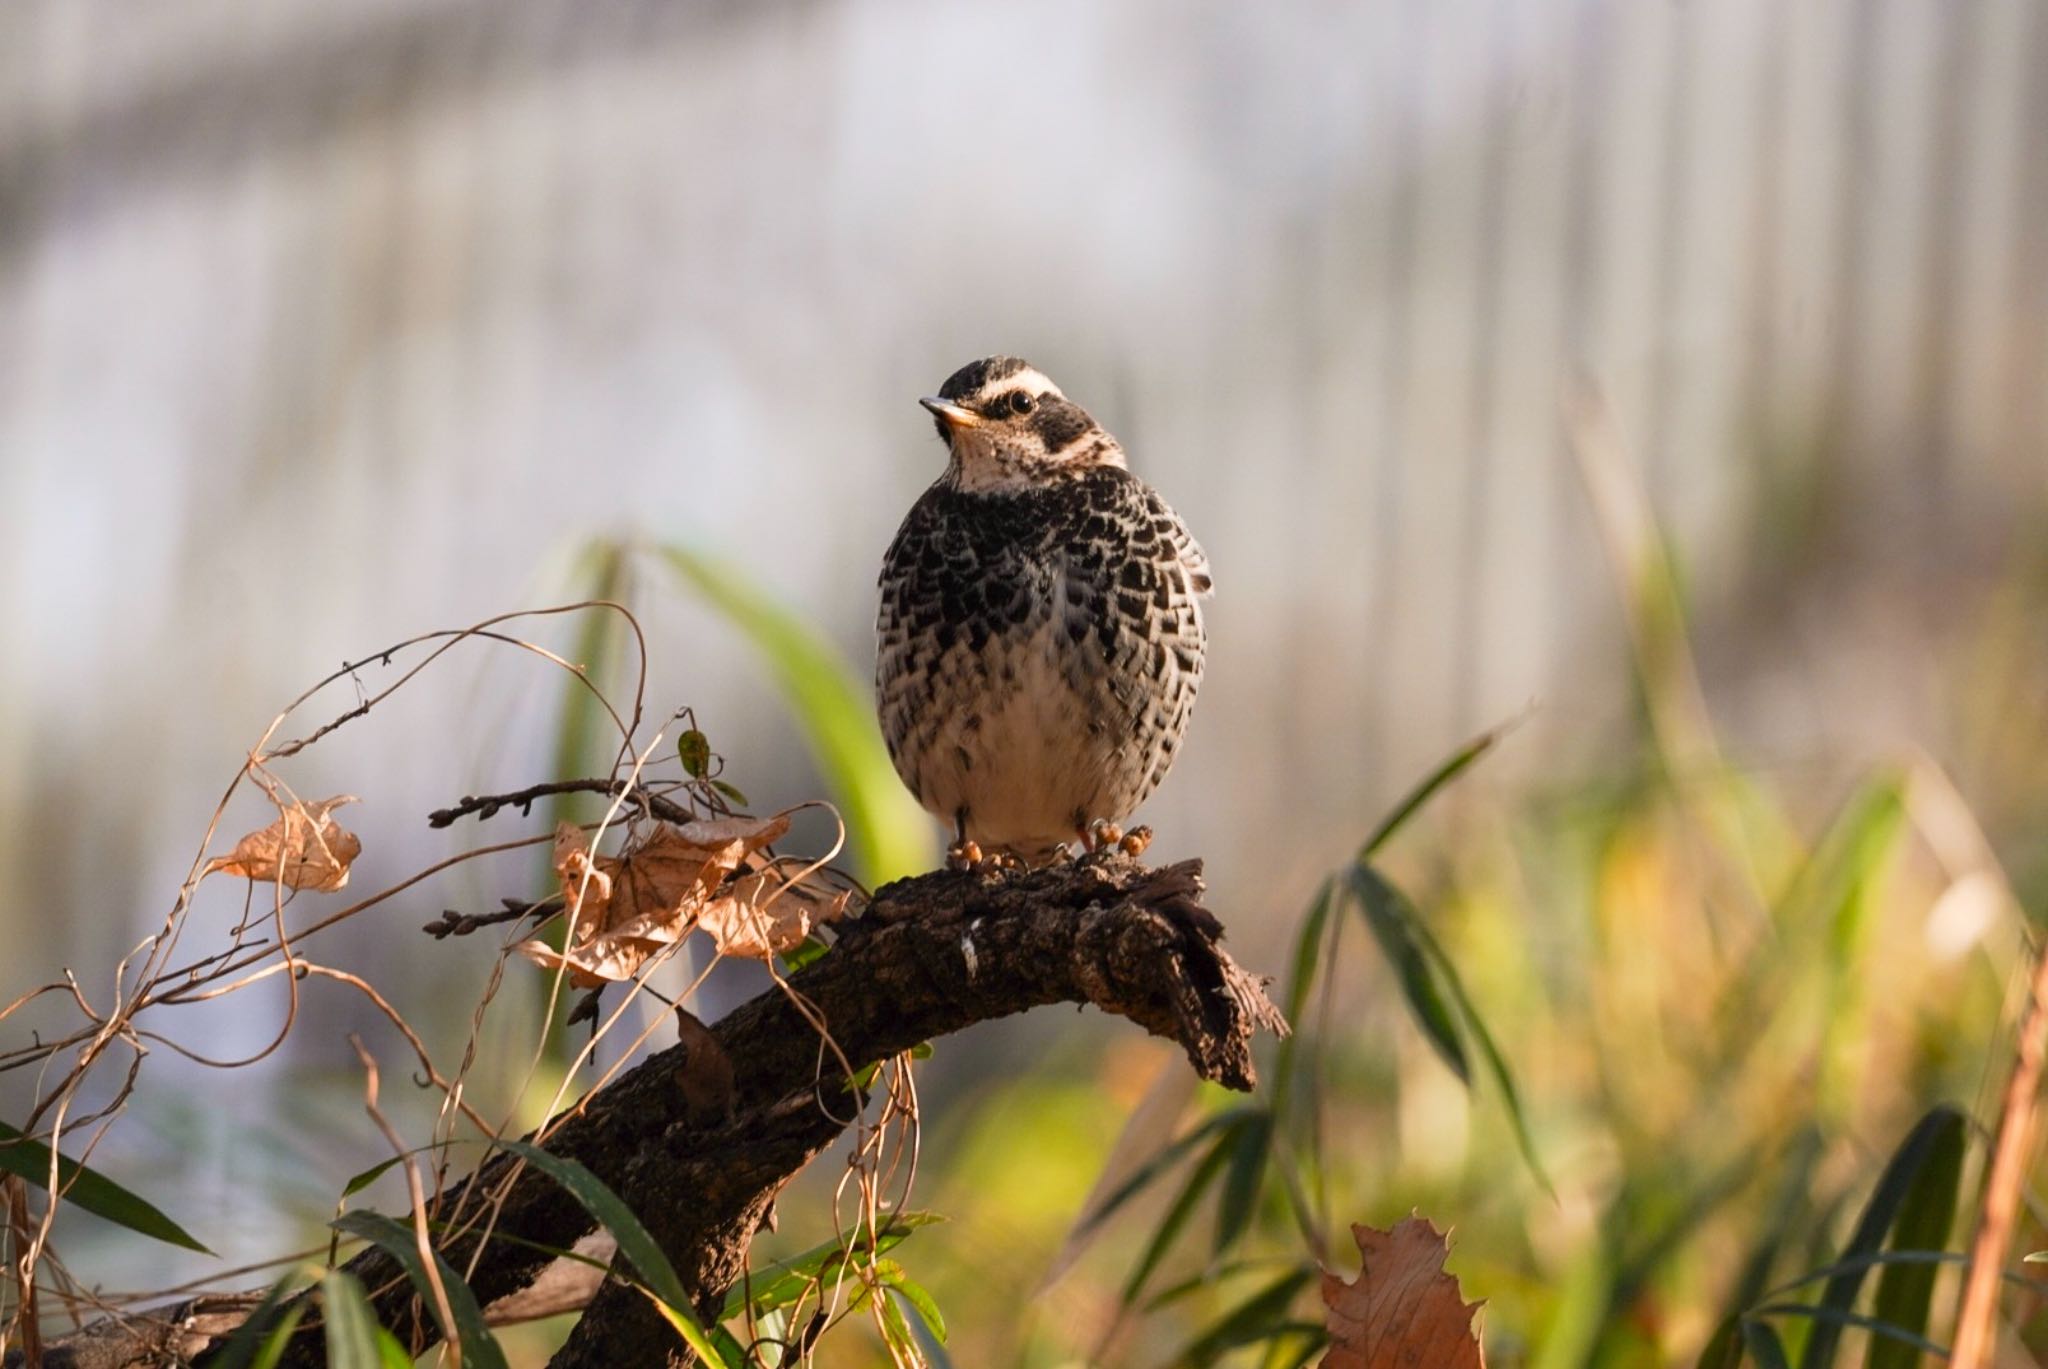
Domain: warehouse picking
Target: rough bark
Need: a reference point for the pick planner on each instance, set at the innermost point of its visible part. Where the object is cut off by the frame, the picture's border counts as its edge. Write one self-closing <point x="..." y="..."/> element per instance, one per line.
<point x="931" y="956"/>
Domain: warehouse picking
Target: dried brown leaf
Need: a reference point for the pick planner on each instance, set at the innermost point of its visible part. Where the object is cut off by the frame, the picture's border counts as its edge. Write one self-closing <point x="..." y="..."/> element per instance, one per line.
<point x="1402" y="1310"/>
<point x="647" y="897"/>
<point x="304" y="849"/>
<point x="758" y="918"/>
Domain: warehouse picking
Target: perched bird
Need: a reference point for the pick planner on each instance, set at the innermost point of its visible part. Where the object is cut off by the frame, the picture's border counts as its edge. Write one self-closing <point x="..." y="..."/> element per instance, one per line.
<point x="1040" y="635"/>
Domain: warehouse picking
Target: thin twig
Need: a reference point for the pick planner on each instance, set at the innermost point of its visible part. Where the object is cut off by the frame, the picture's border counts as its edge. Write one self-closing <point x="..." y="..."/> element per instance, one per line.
<point x="428" y="1264"/>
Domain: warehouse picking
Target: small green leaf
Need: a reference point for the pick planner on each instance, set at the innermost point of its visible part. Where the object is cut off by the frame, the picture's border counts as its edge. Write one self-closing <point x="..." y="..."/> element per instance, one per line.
<point x="695" y="750"/>
<point x="2036" y="1257"/>
<point x="635" y="1243"/>
<point x="479" y="1347"/>
<point x="797" y="957"/>
<point x="894" y="1278"/>
<point x="730" y="791"/>
<point x="1394" y="924"/>
<point x="351" y="1325"/>
<point x="896" y="1330"/>
<point x="357" y="1183"/>
<point x="781" y="1284"/>
<point x="90" y="1190"/>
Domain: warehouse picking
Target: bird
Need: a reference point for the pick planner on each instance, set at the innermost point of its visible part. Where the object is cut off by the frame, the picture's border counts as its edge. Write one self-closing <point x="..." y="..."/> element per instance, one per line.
<point x="1039" y="643"/>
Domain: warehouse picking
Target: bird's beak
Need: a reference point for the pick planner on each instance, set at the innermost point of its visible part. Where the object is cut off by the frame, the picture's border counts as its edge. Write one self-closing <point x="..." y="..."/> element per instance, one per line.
<point x="951" y="414"/>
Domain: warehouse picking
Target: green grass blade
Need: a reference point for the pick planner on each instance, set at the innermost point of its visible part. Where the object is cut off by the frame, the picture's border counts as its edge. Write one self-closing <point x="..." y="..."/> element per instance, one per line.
<point x="636" y="1245"/>
<point x="889" y="835"/>
<point x="1837" y="1320"/>
<point x="1250" y="1147"/>
<point x="479" y="1347"/>
<point x="91" y="1191"/>
<point x="1252" y="1320"/>
<point x="1203" y="1175"/>
<point x="1724" y="1349"/>
<point x="390" y="1353"/>
<point x="1905" y="1291"/>
<point x="280" y="1336"/>
<point x="246" y="1342"/>
<point x="1455" y="765"/>
<point x="350" y="1324"/>
<point x="1926" y="1141"/>
<point x="1142" y="1177"/>
<point x="1764" y="1346"/>
<point x="1489" y="1051"/>
<point x="1393" y="922"/>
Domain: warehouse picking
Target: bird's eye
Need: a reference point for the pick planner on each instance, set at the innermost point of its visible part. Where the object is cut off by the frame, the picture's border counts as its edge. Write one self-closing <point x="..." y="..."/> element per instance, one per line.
<point x="1020" y="402"/>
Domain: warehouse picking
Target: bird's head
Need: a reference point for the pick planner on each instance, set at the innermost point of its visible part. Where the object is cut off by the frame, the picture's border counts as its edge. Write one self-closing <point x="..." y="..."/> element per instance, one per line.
<point x="1008" y="428"/>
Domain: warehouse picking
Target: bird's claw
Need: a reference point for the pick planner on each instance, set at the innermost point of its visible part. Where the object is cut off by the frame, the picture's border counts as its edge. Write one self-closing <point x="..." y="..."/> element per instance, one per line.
<point x="968" y="855"/>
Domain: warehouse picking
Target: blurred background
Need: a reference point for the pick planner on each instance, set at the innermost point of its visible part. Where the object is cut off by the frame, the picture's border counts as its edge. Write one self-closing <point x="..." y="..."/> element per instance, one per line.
<point x="325" y="325"/>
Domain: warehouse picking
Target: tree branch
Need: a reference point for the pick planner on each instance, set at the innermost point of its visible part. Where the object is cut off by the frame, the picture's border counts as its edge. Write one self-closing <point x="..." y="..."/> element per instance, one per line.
<point x="931" y="956"/>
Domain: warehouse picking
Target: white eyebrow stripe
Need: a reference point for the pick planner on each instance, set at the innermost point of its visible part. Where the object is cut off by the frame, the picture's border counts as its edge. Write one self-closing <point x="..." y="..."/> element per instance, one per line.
<point x="1030" y="380"/>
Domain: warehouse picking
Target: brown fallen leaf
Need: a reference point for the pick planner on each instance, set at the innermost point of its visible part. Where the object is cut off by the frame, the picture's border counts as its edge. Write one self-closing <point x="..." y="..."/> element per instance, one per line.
<point x="625" y="908"/>
<point x="1402" y="1311"/>
<point x="304" y="849"/>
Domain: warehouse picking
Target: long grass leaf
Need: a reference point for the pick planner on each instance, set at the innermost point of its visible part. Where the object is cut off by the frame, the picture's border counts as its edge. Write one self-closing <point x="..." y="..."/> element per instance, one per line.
<point x="1836" y="1320"/>
<point x="636" y="1244"/>
<point x="1142" y="1177"/>
<point x="1250" y="1149"/>
<point x="1905" y="1291"/>
<point x="479" y="1347"/>
<point x="1453" y="766"/>
<point x="889" y="834"/>
<point x="1252" y="1320"/>
<point x="1393" y="922"/>
<point x="247" y="1341"/>
<point x="273" y="1347"/>
<point x="91" y="1191"/>
<point x="1764" y="1345"/>
<point x="351" y="1327"/>
<point x="1922" y="1144"/>
<point x="1489" y="1051"/>
<point x="1203" y="1175"/>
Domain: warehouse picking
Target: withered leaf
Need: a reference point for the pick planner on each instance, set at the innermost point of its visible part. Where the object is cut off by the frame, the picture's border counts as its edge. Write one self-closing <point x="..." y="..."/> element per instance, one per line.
<point x="304" y="849"/>
<point x="706" y="1073"/>
<point x="757" y="917"/>
<point x="1403" y="1310"/>
<point x="647" y="897"/>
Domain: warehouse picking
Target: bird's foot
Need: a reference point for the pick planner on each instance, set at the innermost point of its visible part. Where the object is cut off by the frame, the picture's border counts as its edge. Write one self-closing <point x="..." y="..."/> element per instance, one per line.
<point x="968" y="855"/>
<point x="1099" y="835"/>
<point x="1135" y="841"/>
